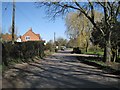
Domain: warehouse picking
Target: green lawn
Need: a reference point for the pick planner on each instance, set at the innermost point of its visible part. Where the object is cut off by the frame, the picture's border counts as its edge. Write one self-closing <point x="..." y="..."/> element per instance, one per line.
<point x="114" y="65"/>
<point x="92" y="52"/>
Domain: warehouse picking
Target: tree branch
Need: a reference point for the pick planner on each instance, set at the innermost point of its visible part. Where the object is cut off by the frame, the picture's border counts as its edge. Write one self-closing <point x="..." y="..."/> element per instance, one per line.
<point x="118" y="10"/>
<point x="92" y="9"/>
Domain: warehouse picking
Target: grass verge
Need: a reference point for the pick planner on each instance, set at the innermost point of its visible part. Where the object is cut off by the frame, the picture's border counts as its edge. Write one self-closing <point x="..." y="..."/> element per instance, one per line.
<point x="92" y="52"/>
<point x="113" y="68"/>
<point x="47" y="53"/>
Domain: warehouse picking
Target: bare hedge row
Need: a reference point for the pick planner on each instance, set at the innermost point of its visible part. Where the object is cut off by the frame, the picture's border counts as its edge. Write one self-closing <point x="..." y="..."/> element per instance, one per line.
<point x="24" y="50"/>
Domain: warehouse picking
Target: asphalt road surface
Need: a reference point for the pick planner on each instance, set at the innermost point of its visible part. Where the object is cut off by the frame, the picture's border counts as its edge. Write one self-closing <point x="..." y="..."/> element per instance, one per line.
<point x="60" y="70"/>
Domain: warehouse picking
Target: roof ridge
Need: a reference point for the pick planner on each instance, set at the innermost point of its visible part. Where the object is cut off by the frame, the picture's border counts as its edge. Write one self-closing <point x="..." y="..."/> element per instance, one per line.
<point x="35" y="34"/>
<point x="30" y="30"/>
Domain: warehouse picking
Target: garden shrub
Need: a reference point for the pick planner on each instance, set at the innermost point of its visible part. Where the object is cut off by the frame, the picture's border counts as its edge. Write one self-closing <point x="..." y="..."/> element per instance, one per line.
<point x="50" y="47"/>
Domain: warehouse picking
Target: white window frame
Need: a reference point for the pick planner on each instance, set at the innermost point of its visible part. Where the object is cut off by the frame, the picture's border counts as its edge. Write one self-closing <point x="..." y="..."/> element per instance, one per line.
<point x="27" y="38"/>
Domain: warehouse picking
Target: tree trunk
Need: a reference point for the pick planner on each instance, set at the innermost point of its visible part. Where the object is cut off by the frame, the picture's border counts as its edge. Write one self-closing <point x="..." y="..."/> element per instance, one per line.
<point x="108" y="48"/>
<point x="108" y="53"/>
<point x="104" y="56"/>
<point x="115" y="56"/>
<point x="86" y="49"/>
<point x="86" y="46"/>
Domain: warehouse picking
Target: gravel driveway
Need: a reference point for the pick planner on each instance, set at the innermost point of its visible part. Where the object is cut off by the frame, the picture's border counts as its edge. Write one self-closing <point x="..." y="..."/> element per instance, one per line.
<point x="60" y="70"/>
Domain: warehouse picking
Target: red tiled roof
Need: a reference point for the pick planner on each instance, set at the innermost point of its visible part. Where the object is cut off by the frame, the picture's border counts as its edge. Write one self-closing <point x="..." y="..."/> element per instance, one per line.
<point x="7" y="37"/>
<point x="38" y="35"/>
<point x="30" y="30"/>
<point x="34" y="36"/>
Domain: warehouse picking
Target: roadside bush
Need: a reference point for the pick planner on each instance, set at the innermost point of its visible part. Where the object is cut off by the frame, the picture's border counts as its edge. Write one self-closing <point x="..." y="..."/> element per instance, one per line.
<point x="24" y="50"/>
<point x="95" y="49"/>
<point x="50" y="47"/>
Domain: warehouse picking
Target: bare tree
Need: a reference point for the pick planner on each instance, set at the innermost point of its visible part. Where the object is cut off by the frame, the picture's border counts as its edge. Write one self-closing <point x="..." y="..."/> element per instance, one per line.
<point x="110" y="12"/>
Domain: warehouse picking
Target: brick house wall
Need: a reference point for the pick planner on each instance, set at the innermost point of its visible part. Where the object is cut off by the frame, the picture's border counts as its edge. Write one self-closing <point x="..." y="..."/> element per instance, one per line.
<point x="30" y="36"/>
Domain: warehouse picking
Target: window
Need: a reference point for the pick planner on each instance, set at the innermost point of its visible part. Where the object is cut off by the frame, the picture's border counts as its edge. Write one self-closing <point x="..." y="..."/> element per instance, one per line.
<point x="27" y="37"/>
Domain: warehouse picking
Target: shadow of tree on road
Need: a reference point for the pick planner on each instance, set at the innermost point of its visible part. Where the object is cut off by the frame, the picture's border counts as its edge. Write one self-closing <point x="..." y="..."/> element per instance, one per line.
<point x="53" y="72"/>
<point x="54" y="76"/>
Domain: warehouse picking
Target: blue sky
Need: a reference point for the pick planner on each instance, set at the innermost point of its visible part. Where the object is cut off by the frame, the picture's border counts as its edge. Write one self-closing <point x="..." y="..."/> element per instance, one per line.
<point x="27" y="16"/>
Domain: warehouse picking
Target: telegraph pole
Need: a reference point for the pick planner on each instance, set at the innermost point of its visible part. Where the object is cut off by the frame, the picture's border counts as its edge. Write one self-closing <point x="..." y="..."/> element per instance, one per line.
<point x="54" y="42"/>
<point x="54" y="37"/>
<point x="13" y="22"/>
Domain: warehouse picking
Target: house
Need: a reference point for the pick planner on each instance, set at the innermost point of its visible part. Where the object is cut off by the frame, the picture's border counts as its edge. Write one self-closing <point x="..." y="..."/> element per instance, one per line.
<point x="7" y="37"/>
<point x="19" y="39"/>
<point x="29" y="36"/>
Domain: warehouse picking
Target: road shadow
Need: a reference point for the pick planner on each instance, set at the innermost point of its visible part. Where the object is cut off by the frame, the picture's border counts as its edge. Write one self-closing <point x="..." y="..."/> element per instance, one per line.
<point x="70" y="63"/>
<point x="60" y="74"/>
<point x="86" y="59"/>
<point x="55" y="78"/>
<point x="80" y="69"/>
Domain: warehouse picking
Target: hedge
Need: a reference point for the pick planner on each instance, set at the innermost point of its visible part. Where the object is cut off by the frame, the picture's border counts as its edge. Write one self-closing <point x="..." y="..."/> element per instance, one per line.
<point x="22" y="50"/>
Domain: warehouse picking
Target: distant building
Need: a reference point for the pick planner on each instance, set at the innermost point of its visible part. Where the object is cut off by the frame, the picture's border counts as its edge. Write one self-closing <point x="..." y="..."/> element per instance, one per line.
<point x="29" y="36"/>
<point x="7" y="37"/>
<point x="19" y="39"/>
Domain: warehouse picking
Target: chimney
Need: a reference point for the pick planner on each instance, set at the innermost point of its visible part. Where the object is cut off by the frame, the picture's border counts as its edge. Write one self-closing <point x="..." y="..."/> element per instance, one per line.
<point x="30" y="29"/>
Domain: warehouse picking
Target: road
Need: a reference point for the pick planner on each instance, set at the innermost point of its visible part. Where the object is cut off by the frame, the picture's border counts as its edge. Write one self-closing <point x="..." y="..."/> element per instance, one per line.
<point x="60" y="70"/>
